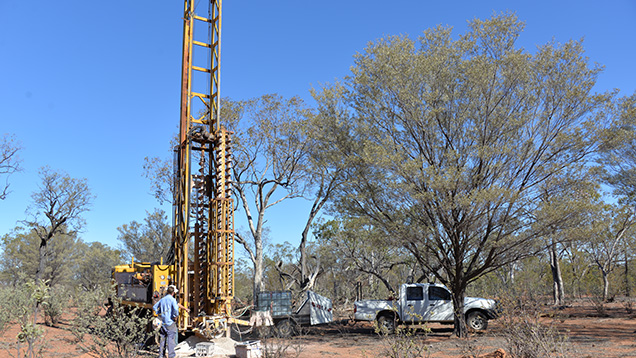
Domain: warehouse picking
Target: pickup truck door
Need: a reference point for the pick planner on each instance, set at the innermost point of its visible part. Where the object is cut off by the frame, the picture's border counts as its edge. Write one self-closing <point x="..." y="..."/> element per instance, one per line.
<point x="440" y="306"/>
<point x="414" y="307"/>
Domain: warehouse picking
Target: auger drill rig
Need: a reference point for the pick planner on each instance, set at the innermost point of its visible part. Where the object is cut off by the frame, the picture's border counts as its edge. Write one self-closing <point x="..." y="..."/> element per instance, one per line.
<point x="201" y="263"/>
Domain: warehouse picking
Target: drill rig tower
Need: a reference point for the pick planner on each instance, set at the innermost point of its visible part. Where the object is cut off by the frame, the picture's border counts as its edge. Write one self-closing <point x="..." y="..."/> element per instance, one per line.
<point x="201" y="262"/>
<point x="203" y="231"/>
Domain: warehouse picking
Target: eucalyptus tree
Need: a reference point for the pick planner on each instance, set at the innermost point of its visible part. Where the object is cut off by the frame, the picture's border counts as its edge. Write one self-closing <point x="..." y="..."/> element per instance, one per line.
<point x="618" y="158"/>
<point x="9" y="161"/>
<point x="20" y="258"/>
<point x="365" y="249"/>
<point x="57" y="209"/>
<point x="608" y="228"/>
<point x="149" y="241"/>
<point x="324" y="171"/>
<point x="458" y="137"/>
<point x="269" y="153"/>
<point x="564" y="205"/>
<point x="91" y="273"/>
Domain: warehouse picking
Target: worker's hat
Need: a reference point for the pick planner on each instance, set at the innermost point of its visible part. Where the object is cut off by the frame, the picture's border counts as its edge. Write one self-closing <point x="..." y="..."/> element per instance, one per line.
<point x="174" y="288"/>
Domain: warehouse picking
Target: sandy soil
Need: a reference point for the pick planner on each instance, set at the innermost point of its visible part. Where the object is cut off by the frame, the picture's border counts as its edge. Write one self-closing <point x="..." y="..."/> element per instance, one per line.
<point x="611" y="334"/>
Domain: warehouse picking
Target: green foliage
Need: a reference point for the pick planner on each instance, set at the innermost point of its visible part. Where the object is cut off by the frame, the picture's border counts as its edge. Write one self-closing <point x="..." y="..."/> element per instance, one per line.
<point x="529" y="276"/>
<point x="149" y="241"/>
<point x="24" y="301"/>
<point x="19" y="257"/>
<point x="57" y="304"/>
<point x="93" y="270"/>
<point x="39" y="294"/>
<point x="278" y="258"/>
<point x="160" y="173"/>
<point x="90" y="302"/>
<point x="580" y="277"/>
<point x="56" y="211"/>
<point x="58" y="204"/>
<point x="243" y="274"/>
<point x="9" y="302"/>
<point x="269" y="152"/>
<point x="531" y="279"/>
<point x="67" y="260"/>
<point x="356" y="243"/>
<point x="619" y="152"/>
<point x="119" y="332"/>
<point x="456" y="140"/>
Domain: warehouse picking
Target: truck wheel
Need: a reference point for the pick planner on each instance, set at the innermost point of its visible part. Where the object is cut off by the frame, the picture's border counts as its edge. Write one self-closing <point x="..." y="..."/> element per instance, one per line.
<point x="285" y="328"/>
<point x="386" y="324"/>
<point x="477" y="321"/>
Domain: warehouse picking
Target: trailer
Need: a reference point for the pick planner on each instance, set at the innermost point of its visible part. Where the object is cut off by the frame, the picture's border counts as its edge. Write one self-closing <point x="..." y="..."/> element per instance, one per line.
<point x="314" y="310"/>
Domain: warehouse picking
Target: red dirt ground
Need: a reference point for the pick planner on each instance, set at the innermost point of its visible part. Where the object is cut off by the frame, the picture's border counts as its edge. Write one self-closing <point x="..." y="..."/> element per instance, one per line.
<point x="591" y="334"/>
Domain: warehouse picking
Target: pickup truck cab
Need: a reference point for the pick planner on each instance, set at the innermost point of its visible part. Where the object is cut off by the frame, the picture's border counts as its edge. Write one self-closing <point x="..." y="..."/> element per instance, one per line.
<point x="424" y="302"/>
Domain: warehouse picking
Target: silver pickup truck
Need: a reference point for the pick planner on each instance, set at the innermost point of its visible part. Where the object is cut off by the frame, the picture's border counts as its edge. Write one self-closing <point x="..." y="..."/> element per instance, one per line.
<point x="424" y="302"/>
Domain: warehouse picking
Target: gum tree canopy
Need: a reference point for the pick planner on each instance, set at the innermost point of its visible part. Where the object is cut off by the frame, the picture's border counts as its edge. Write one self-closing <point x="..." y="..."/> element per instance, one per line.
<point x="458" y="137"/>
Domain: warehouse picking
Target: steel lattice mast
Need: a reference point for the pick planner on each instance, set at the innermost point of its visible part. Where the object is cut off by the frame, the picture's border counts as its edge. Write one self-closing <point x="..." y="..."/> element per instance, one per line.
<point x="203" y="228"/>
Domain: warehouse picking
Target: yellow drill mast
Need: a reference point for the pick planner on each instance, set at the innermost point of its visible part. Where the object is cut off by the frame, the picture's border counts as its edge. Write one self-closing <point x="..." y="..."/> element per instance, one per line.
<point x="204" y="218"/>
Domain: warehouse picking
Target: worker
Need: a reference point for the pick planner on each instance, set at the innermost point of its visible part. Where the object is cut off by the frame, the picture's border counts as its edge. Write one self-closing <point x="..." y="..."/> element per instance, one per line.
<point x="168" y="310"/>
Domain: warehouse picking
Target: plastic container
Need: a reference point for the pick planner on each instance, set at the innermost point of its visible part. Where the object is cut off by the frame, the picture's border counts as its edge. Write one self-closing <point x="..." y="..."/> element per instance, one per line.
<point x="277" y="302"/>
<point x="204" y="349"/>
<point x="249" y="349"/>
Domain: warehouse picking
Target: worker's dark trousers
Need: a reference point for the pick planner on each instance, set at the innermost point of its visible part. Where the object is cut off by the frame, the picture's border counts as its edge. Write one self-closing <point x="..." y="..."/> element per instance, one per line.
<point x="167" y="342"/>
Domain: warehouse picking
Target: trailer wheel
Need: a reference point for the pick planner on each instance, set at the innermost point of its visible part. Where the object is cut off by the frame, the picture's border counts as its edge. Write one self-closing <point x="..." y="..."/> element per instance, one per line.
<point x="285" y="328"/>
<point x="264" y="331"/>
<point x="477" y="321"/>
<point x="386" y="324"/>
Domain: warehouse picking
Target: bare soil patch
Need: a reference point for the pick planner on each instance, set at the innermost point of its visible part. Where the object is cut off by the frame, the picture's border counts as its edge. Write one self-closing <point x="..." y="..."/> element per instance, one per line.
<point x="609" y="333"/>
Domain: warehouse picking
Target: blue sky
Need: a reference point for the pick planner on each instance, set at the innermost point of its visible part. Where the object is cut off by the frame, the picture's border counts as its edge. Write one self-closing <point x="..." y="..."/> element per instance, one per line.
<point x="92" y="87"/>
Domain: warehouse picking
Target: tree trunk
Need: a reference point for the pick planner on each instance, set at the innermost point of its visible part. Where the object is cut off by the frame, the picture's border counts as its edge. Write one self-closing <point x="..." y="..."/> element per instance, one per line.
<point x="302" y="248"/>
<point x="511" y="274"/>
<point x="460" y="330"/>
<point x="605" y="285"/>
<point x="627" y="287"/>
<point x="335" y="294"/>
<point x="41" y="262"/>
<point x="258" y="267"/>
<point x="303" y="259"/>
<point x="557" y="279"/>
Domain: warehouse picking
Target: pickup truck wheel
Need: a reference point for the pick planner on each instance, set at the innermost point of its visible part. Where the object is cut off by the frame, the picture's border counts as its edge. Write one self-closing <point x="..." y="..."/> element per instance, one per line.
<point x="386" y="324"/>
<point x="477" y="321"/>
<point x="285" y="328"/>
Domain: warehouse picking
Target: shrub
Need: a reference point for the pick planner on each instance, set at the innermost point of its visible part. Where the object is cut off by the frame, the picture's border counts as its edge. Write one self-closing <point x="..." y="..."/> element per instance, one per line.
<point x="406" y="342"/>
<point x="7" y="309"/>
<point x="117" y="331"/>
<point x="23" y="303"/>
<point x="281" y="348"/>
<point x="527" y="337"/>
<point x="56" y="305"/>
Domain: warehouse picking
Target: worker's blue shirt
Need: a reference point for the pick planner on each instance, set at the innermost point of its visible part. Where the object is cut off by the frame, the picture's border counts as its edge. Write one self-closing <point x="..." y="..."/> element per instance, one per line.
<point x="167" y="309"/>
